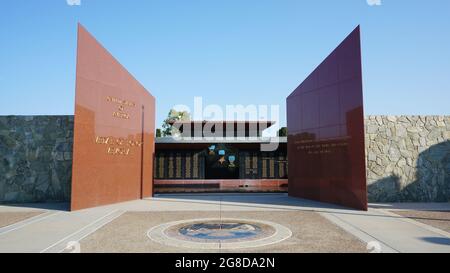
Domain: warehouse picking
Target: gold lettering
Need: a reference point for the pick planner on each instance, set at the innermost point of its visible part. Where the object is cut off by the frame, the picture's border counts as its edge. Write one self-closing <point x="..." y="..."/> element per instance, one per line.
<point x="118" y="146"/>
<point x="118" y="151"/>
<point x="121" y="115"/>
<point x="121" y="102"/>
<point x="121" y="110"/>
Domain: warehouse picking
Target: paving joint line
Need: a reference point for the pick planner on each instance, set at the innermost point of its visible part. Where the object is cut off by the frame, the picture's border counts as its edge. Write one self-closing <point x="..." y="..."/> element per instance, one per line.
<point x="418" y="223"/>
<point x="97" y="228"/>
<point x="362" y="231"/>
<point x="27" y="222"/>
<point x="74" y="233"/>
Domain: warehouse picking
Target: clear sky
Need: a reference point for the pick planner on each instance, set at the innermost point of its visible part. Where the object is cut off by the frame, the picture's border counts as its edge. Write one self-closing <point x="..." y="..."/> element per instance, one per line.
<point x="228" y="52"/>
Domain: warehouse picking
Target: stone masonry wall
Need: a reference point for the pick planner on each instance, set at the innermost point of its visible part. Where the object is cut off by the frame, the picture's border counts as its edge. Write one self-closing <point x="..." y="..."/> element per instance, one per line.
<point x="35" y="158"/>
<point x="408" y="158"/>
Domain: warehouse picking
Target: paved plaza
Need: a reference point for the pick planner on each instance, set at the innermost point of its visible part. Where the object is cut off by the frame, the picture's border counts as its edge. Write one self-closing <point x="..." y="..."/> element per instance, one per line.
<point x="309" y="226"/>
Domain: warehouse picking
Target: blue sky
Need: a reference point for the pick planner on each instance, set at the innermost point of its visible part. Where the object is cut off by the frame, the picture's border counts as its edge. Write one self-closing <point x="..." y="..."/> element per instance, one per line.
<point x="228" y="52"/>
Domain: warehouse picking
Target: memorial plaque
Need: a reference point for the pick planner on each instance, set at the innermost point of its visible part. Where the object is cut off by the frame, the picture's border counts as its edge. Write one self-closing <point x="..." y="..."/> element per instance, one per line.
<point x="188" y="167"/>
<point x="178" y="166"/>
<point x="325" y="122"/>
<point x="113" y="130"/>
<point x="161" y="166"/>
<point x="264" y="167"/>
<point x="281" y="166"/>
<point x="195" y="170"/>
<point x="171" y="166"/>
<point x="272" y="166"/>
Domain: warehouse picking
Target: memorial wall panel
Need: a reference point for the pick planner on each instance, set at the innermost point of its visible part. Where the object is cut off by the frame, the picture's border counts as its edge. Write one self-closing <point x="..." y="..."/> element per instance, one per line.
<point x="179" y="165"/>
<point x="113" y="130"/>
<point x="263" y="165"/>
<point x="192" y="165"/>
<point x="326" y="130"/>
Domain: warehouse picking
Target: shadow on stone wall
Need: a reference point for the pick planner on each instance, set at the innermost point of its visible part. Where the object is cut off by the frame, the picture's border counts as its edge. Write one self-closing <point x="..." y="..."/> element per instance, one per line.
<point x="35" y="158"/>
<point x="431" y="184"/>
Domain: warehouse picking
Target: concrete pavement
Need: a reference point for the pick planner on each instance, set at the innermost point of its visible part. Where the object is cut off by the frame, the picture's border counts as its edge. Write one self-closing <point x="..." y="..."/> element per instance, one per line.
<point x="54" y="229"/>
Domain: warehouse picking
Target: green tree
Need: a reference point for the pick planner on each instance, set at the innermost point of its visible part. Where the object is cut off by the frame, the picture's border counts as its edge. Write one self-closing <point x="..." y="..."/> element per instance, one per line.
<point x="283" y="132"/>
<point x="174" y="115"/>
<point x="158" y="132"/>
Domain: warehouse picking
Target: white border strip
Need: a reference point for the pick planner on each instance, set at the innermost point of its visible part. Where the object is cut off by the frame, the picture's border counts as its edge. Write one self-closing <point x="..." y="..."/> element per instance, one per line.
<point x="72" y="236"/>
<point x="95" y="229"/>
<point x="358" y="233"/>
<point x="417" y="223"/>
<point x="29" y="221"/>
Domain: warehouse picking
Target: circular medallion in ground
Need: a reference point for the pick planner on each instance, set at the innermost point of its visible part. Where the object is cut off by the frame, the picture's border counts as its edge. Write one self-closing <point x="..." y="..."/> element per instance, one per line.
<point x="219" y="233"/>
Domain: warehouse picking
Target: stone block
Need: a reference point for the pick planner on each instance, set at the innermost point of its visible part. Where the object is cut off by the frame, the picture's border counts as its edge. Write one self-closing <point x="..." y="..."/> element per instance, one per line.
<point x="372" y="129"/>
<point x="59" y="156"/>
<point x="400" y="131"/>
<point x="372" y="156"/>
<point x="11" y="197"/>
<point x="392" y="118"/>
<point x="67" y="156"/>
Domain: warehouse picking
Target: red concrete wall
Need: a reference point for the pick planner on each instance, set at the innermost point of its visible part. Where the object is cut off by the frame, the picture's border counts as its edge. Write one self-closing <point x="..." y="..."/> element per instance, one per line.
<point x="325" y="123"/>
<point x="113" y="131"/>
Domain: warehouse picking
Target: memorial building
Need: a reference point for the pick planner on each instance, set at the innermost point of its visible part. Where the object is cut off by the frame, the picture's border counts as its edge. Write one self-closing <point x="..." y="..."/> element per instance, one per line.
<point x="229" y="162"/>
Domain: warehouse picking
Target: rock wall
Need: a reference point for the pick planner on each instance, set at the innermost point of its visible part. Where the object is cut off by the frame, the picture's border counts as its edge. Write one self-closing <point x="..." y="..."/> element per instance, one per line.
<point x="35" y="158"/>
<point x="408" y="158"/>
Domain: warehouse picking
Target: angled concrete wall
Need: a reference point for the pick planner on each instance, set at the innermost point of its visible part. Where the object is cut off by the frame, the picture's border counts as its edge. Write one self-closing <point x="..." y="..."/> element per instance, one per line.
<point x="114" y="130"/>
<point x="325" y="121"/>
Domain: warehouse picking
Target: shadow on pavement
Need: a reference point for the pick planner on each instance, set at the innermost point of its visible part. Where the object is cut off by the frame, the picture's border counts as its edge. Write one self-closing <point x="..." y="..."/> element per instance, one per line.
<point x="43" y="206"/>
<point x="437" y="240"/>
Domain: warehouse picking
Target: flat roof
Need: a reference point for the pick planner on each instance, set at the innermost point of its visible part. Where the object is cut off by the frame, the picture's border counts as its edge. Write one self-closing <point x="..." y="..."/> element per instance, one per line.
<point x="205" y="140"/>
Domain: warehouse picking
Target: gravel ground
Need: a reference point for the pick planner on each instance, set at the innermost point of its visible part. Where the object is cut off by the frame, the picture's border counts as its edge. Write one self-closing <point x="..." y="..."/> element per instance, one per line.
<point x="310" y="233"/>
<point x="437" y="219"/>
<point x="9" y="218"/>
